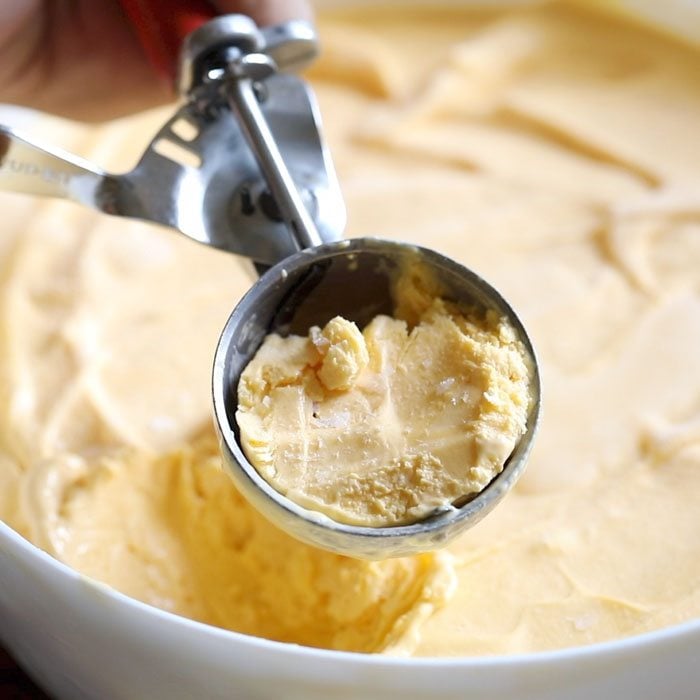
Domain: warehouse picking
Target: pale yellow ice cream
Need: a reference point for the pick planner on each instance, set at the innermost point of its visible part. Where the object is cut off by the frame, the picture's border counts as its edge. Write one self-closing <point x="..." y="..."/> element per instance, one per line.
<point x="386" y="426"/>
<point x="554" y="151"/>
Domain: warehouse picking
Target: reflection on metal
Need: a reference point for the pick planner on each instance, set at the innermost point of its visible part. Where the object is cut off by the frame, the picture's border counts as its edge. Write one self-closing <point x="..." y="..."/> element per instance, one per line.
<point x="241" y="166"/>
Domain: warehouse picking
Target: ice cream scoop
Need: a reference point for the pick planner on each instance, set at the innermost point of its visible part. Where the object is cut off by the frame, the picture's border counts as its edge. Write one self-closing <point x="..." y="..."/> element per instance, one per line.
<point x="354" y="279"/>
<point x="242" y="167"/>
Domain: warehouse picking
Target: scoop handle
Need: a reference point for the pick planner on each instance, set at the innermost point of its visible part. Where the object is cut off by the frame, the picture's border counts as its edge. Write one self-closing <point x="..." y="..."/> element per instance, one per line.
<point x="30" y="168"/>
<point x="162" y="25"/>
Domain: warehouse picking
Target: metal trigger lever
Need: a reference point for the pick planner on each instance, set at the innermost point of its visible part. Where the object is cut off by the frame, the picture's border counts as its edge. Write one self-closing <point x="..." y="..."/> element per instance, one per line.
<point x="233" y="51"/>
<point x="241" y="165"/>
<point x="244" y="103"/>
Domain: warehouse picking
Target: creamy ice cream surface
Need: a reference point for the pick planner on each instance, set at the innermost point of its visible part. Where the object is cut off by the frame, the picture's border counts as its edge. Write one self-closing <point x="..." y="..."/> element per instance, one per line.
<point x="553" y="150"/>
<point x="386" y="426"/>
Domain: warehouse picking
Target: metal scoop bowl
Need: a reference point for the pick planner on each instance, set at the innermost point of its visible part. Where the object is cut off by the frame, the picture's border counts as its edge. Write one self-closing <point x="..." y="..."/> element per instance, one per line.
<point x="352" y="278"/>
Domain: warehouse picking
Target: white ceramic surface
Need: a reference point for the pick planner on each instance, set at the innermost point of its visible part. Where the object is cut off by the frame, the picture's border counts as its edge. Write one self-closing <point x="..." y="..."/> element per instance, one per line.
<point x="80" y="639"/>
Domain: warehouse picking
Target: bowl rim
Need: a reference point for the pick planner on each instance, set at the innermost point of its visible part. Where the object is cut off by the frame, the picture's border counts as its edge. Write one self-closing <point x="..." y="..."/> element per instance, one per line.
<point x="616" y="647"/>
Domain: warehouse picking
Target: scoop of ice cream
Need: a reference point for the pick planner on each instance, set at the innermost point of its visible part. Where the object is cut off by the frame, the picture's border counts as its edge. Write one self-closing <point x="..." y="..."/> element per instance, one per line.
<point x="382" y="427"/>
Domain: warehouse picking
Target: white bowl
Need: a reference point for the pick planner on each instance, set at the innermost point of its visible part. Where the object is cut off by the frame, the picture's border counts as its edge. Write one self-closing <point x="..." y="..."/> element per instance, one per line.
<point x="81" y="639"/>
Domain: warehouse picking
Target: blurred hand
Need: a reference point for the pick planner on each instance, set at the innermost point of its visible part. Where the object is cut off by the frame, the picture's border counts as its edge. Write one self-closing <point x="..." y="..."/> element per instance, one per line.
<point x="82" y="59"/>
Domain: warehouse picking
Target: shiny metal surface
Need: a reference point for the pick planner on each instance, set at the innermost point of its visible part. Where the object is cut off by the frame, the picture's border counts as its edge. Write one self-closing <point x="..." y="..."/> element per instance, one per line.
<point x="352" y="278"/>
<point x="292" y="46"/>
<point x="293" y="211"/>
<point x="201" y="174"/>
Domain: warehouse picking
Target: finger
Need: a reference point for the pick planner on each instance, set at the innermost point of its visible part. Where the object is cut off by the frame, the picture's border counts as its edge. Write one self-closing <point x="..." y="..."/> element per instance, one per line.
<point x="266" y="12"/>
